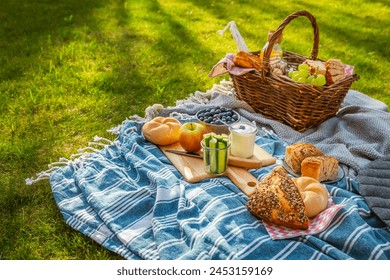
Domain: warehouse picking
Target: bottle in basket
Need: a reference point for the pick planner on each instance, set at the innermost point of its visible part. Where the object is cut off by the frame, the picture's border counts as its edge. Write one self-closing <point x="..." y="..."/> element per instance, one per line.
<point x="276" y="50"/>
<point x="277" y="64"/>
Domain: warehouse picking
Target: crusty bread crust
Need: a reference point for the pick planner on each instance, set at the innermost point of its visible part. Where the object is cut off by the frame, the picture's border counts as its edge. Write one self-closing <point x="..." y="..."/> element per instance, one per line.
<point x="321" y="168"/>
<point x="247" y="60"/>
<point x="277" y="200"/>
<point x="335" y="71"/>
<point x="162" y="131"/>
<point x="297" y="152"/>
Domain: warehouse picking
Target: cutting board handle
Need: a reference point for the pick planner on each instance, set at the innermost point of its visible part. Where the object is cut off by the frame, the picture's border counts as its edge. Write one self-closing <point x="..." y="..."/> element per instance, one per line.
<point x="245" y="181"/>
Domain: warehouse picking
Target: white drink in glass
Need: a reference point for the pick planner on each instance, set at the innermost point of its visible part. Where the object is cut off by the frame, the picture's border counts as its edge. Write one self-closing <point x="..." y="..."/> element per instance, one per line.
<point x="242" y="137"/>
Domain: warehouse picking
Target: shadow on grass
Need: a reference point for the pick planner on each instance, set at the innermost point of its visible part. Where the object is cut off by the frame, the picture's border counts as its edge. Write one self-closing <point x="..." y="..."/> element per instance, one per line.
<point x="169" y="51"/>
<point x="28" y="25"/>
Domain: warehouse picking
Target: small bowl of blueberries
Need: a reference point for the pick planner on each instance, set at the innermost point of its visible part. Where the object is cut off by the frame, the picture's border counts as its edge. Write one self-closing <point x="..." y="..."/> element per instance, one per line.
<point x="217" y="119"/>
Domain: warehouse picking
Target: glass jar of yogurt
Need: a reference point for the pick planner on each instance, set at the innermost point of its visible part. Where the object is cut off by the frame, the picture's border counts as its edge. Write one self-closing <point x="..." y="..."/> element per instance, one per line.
<point x="242" y="137"/>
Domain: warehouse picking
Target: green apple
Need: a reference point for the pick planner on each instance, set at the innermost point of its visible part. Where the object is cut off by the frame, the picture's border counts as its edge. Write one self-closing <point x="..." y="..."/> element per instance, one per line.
<point x="190" y="136"/>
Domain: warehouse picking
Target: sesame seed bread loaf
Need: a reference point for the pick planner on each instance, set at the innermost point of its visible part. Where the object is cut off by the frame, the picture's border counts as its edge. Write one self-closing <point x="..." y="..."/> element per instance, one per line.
<point x="278" y="200"/>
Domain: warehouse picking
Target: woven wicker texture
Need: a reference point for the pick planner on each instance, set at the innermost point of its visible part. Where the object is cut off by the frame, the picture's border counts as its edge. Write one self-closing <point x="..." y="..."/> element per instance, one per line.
<point x="301" y="106"/>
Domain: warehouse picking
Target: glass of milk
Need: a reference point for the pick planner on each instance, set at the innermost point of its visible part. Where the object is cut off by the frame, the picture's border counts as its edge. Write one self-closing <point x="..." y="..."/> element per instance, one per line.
<point x="242" y="137"/>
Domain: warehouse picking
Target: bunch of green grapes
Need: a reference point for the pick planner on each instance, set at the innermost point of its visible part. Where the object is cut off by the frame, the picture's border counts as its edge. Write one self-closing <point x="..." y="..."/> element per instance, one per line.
<point x="302" y="75"/>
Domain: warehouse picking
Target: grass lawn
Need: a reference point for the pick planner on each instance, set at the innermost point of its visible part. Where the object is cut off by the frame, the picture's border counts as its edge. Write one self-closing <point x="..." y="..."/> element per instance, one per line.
<point x="72" y="69"/>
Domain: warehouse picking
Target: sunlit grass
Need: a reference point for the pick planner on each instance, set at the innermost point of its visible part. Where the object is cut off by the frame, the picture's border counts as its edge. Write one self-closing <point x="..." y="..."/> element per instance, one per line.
<point x="72" y="69"/>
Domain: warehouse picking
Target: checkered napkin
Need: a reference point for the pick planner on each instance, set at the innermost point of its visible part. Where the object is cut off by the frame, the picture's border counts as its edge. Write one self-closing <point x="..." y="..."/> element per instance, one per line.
<point x="317" y="224"/>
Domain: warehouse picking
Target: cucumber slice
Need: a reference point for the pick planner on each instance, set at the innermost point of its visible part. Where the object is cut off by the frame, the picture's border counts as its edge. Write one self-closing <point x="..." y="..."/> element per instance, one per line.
<point x="206" y="138"/>
<point x="215" y="159"/>
<point x="225" y="140"/>
<point x="218" y="137"/>
<point x="213" y="156"/>
<point x="222" y="156"/>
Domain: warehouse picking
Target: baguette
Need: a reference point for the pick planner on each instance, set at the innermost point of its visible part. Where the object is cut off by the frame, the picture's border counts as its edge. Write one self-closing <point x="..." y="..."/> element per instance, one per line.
<point x="247" y="60"/>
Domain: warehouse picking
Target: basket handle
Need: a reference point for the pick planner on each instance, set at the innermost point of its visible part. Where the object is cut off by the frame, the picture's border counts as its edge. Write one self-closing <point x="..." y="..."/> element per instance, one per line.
<point x="278" y="33"/>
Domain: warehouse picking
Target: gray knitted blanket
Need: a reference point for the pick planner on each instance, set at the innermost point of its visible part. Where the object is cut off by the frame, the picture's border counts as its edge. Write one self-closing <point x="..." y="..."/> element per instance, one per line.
<point x="374" y="180"/>
<point x="357" y="135"/>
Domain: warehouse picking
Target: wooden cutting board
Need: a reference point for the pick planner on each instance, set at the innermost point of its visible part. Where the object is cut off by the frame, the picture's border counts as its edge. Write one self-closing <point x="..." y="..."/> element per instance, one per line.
<point x="193" y="171"/>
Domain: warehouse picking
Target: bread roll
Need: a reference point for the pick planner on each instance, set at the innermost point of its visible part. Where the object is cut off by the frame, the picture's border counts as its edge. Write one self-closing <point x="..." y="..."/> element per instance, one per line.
<point x="314" y="195"/>
<point x="297" y="152"/>
<point x="162" y="131"/>
<point x="278" y="200"/>
<point x="321" y="168"/>
<point x="335" y="71"/>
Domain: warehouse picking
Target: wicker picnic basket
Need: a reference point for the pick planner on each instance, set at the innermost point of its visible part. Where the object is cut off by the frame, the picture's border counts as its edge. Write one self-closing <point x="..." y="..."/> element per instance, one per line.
<point x="301" y="106"/>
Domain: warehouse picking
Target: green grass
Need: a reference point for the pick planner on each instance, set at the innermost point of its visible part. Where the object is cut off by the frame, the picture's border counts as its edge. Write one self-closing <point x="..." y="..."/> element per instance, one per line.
<point x="72" y="69"/>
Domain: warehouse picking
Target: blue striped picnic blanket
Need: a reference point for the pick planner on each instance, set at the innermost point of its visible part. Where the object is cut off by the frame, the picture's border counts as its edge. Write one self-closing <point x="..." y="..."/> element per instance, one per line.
<point x="129" y="198"/>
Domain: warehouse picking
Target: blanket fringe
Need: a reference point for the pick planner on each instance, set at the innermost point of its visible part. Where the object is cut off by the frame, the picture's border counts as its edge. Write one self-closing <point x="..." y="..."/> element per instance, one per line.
<point x="153" y="111"/>
<point x="117" y="129"/>
<point x="224" y="87"/>
<point x="44" y="175"/>
<point x="75" y="159"/>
